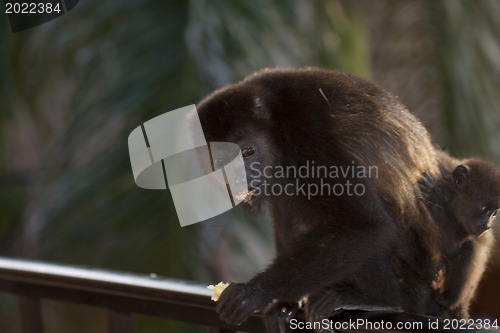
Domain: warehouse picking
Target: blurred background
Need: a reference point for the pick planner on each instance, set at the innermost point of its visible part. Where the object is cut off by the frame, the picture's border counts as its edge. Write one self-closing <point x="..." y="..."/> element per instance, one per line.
<point x="73" y="89"/>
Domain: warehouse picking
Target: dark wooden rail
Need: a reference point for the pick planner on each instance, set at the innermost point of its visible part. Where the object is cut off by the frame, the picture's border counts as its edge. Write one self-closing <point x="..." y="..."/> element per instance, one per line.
<point x="123" y="294"/>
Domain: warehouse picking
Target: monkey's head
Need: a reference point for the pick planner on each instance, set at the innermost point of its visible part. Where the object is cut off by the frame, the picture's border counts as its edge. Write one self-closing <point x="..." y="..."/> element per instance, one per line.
<point x="277" y="119"/>
<point x="473" y="195"/>
<point x="236" y="114"/>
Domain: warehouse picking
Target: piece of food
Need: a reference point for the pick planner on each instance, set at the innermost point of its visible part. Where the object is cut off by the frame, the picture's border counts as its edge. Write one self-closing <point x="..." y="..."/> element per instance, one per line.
<point x="217" y="290"/>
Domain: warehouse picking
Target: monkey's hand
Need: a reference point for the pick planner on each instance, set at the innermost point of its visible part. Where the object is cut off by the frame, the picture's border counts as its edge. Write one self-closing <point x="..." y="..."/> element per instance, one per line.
<point x="238" y="301"/>
<point x="425" y="183"/>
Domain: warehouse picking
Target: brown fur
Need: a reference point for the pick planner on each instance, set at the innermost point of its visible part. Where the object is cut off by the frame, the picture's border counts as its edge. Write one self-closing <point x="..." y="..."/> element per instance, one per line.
<point x="456" y="200"/>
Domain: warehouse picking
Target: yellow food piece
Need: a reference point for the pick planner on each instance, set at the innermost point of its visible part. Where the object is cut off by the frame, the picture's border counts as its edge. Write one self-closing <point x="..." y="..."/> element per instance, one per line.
<point x="217" y="290"/>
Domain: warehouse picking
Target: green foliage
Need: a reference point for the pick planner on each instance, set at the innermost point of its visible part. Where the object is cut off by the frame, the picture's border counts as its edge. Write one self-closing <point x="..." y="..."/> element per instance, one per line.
<point x="468" y="49"/>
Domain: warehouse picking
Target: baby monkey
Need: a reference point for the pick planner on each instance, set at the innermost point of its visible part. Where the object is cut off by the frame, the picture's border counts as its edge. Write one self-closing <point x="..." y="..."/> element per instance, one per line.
<point x="464" y="202"/>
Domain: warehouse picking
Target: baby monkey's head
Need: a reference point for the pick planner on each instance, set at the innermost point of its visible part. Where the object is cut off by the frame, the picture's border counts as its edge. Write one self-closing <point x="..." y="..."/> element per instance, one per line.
<point x="472" y="195"/>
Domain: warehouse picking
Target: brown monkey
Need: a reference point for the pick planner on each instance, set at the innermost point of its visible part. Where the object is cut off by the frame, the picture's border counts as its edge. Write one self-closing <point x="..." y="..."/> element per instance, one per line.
<point x="464" y="202"/>
<point x="375" y="247"/>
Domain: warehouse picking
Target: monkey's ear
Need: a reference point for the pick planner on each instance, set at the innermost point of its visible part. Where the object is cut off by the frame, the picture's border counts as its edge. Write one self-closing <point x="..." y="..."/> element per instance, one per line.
<point x="260" y="110"/>
<point x="460" y="173"/>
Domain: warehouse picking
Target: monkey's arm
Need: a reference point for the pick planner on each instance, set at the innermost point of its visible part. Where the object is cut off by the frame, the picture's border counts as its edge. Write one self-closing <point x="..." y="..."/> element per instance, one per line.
<point x="456" y="273"/>
<point x="321" y="258"/>
<point x="464" y="272"/>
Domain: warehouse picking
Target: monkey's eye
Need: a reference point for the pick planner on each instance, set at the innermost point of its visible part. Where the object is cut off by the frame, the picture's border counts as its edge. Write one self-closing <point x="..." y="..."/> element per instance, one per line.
<point x="248" y="152"/>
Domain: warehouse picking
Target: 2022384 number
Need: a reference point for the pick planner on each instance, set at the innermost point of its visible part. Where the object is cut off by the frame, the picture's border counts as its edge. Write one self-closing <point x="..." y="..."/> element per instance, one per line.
<point x="31" y="8"/>
<point x="470" y="324"/>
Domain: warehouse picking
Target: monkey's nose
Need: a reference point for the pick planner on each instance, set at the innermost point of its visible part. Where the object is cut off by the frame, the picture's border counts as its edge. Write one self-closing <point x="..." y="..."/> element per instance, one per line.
<point x="494" y="215"/>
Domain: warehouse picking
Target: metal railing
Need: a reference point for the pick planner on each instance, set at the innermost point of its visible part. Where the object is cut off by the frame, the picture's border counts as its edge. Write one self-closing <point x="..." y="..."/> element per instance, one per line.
<point x="123" y="294"/>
